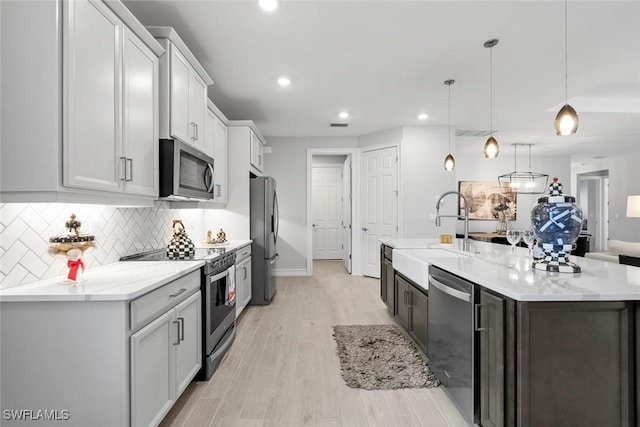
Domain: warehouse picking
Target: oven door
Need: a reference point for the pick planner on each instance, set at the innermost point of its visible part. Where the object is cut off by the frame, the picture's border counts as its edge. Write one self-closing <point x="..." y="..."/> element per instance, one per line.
<point x="219" y="308"/>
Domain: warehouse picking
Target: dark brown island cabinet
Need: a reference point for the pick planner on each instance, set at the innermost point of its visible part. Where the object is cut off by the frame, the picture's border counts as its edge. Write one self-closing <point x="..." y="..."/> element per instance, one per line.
<point x="539" y="364"/>
<point x="405" y="300"/>
<point x="555" y="363"/>
<point x="387" y="278"/>
<point x="412" y="309"/>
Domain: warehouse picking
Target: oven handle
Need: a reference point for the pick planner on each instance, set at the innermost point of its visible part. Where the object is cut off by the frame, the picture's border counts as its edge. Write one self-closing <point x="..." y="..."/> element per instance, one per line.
<point x="449" y="291"/>
<point x="219" y="276"/>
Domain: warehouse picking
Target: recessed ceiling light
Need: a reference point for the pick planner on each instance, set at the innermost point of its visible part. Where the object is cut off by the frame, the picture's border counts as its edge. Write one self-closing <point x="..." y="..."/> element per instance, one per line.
<point x="423" y="116"/>
<point x="284" y="81"/>
<point x="268" y="5"/>
<point x="343" y="115"/>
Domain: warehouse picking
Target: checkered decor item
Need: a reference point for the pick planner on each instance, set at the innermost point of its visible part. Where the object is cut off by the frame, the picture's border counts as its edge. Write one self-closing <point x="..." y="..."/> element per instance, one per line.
<point x="181" y="248"/>
<point x="556" y="259"/>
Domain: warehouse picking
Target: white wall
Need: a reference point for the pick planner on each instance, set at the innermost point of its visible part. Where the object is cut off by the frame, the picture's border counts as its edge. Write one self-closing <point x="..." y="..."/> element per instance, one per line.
<point x="474" y="167"/>
<point x="328" y="160"/>
<point x="423" y="179"/>
<point x="287" y="163"/>
<point x="623" y="181"/>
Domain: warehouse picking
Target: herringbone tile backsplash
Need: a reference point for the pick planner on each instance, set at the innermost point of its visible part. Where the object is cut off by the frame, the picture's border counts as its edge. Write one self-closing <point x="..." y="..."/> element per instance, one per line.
<point x="25" y="229"/>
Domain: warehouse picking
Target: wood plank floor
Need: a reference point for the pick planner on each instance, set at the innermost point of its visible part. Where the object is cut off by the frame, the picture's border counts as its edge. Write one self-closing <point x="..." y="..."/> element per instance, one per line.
<point x="283" y="370"/>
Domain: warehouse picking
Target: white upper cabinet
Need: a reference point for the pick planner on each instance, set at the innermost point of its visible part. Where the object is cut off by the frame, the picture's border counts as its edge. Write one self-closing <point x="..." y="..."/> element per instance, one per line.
<point x="220" y="156"/>
<point x="110" y="115"/>
<point x="215" y="145"/>
<point x="139" y="158"/>
<point x="257" y="152"/>
<point x="179" y="96"/>
<point x="197" y="108"/>
<point x="92" y="78"/>
<point x="183" y="91"/>
<point x="80" y="106"/>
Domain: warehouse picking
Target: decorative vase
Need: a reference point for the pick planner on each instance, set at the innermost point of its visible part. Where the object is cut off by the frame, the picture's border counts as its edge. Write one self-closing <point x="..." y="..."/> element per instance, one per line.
<point x="556" y="220"/>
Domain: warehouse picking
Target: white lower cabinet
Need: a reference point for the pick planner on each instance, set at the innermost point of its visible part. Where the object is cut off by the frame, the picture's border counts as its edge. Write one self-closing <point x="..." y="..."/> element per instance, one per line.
<point x="165" y="356"/>
<point x="243" y="278"/>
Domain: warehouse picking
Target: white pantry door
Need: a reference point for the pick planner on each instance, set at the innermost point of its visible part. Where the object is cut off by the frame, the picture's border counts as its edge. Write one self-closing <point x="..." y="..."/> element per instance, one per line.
<point x="327" y="212"/>
<point x="379" y="204"/>
<point x="346" y="214"/>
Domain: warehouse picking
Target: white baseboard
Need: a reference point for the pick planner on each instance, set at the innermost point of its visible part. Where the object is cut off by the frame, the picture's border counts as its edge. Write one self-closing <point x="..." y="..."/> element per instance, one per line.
<point x="290" y="272"/>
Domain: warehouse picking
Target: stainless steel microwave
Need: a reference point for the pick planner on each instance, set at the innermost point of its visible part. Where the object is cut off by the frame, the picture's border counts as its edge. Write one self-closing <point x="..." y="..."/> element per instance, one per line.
<point x="185" y="172"/>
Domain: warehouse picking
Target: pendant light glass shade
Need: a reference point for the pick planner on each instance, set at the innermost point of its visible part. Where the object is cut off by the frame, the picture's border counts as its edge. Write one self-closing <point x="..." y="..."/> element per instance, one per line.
<point x="566" y="122"/>
<point x="449" y="161"/>
<point x="491" y="148"/>
<point x="523" y="182"/>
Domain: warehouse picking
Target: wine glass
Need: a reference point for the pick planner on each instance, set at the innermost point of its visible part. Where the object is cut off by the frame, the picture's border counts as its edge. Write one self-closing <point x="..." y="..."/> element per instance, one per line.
<point x="513" y="237"/>
<point x="528" y="238"/>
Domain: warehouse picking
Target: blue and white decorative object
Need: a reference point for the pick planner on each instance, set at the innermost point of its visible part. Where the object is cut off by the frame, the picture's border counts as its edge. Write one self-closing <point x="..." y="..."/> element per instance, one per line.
<point x="556" y="222"/>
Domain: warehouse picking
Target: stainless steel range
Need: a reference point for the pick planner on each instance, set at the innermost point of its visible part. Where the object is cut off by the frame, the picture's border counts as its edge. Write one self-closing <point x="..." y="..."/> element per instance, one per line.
<point x="218" y="301"/>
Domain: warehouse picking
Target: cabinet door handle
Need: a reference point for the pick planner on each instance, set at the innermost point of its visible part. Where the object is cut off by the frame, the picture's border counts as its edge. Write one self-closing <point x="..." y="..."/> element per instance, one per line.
<point x="245" y="273"/>
<point x="181" y="330"/>
<point x="182" y="290"/>
<point x="476" y="312"/>
<point x="259" y="159"/>
<point x="123" y="168"/>
<point x="193" y="129"/>
<point x="196" y="131"/>
<point x="178" y="324"/>
<point x="218" y="190"/>
<point x="410" y="299"/>
<point x="129" y="162"/>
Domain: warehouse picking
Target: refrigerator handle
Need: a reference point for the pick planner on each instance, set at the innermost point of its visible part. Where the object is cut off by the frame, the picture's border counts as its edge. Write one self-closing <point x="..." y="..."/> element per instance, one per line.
<point x="275" y="219"/>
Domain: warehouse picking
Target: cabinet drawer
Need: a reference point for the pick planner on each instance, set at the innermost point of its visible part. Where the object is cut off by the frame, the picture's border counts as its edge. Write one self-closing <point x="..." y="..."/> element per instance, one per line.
<point x="160" y="300"/>
<point x="242" y="253"/>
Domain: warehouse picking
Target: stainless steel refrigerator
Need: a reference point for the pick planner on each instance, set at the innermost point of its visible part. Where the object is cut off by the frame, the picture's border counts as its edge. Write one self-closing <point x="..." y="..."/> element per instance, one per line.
<point x="264" y="233"/>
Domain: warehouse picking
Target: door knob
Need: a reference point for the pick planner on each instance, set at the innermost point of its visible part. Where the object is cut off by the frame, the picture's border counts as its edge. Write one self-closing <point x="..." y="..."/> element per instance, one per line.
<point x="365" y="229"/>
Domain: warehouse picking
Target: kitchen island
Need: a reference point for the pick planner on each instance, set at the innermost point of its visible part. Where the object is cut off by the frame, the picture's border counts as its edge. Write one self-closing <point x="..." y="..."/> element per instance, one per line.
<point x="550" y="348"/>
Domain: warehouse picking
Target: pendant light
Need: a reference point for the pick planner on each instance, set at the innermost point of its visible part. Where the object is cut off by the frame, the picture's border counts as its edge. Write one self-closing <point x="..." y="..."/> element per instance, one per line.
<point x="566" y="121"/>
<point x="523" y="182"/>
<point x="491" y="147"/>
<point x="449" y="161"/>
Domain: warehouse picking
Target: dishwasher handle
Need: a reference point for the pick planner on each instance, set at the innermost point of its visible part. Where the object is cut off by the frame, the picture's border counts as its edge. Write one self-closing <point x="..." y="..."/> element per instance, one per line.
<point x="449" y="291"/>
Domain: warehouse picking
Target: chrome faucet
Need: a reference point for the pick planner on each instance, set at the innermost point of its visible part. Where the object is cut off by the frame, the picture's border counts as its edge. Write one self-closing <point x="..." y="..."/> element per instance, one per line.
<point x="465" y="242"/>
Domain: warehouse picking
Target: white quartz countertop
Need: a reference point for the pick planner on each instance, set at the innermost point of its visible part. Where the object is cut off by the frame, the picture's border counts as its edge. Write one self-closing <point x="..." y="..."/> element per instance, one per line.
<point x="119" y="281"/>
<point x="494" y="267"/>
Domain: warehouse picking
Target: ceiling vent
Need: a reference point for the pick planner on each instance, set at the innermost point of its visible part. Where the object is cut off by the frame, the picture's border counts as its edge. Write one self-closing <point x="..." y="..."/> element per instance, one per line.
<point x="339" y="125"/>
<point x="464" y="132"/>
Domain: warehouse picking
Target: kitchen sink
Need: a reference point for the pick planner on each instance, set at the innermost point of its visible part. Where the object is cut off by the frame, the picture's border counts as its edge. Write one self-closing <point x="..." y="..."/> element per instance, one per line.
<point x="414" y="264"/>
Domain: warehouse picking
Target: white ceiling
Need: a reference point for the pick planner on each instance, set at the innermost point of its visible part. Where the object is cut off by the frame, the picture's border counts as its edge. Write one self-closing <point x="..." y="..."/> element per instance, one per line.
<point x="386" y="61"/>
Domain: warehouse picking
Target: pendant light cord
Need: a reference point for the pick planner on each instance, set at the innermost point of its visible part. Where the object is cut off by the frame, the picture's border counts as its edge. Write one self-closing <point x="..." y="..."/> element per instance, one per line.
<point x="491" y="90"/>
<point x="449" y="118"/>
<point x="566" y="61"/>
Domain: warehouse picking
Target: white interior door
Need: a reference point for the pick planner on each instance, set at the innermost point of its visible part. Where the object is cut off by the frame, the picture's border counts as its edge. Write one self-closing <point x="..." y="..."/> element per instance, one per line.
<point x="346" y="214"/>
<point x="327" y="212"/>
<point x="379" y="204"/>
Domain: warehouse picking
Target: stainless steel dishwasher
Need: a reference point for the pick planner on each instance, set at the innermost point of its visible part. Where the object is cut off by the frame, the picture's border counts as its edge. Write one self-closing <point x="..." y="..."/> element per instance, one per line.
<point x="451" y="343"/>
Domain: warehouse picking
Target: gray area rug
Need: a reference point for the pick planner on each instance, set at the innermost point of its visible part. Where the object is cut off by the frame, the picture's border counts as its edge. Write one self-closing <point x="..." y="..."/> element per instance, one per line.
<point x="380" y="357"/>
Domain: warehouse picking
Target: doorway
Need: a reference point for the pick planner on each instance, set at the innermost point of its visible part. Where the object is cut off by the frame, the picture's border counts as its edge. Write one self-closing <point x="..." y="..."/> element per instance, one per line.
<point x="593" y="198"/>
<point x="327" y="209"/>
<point x="330" y="210"/>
